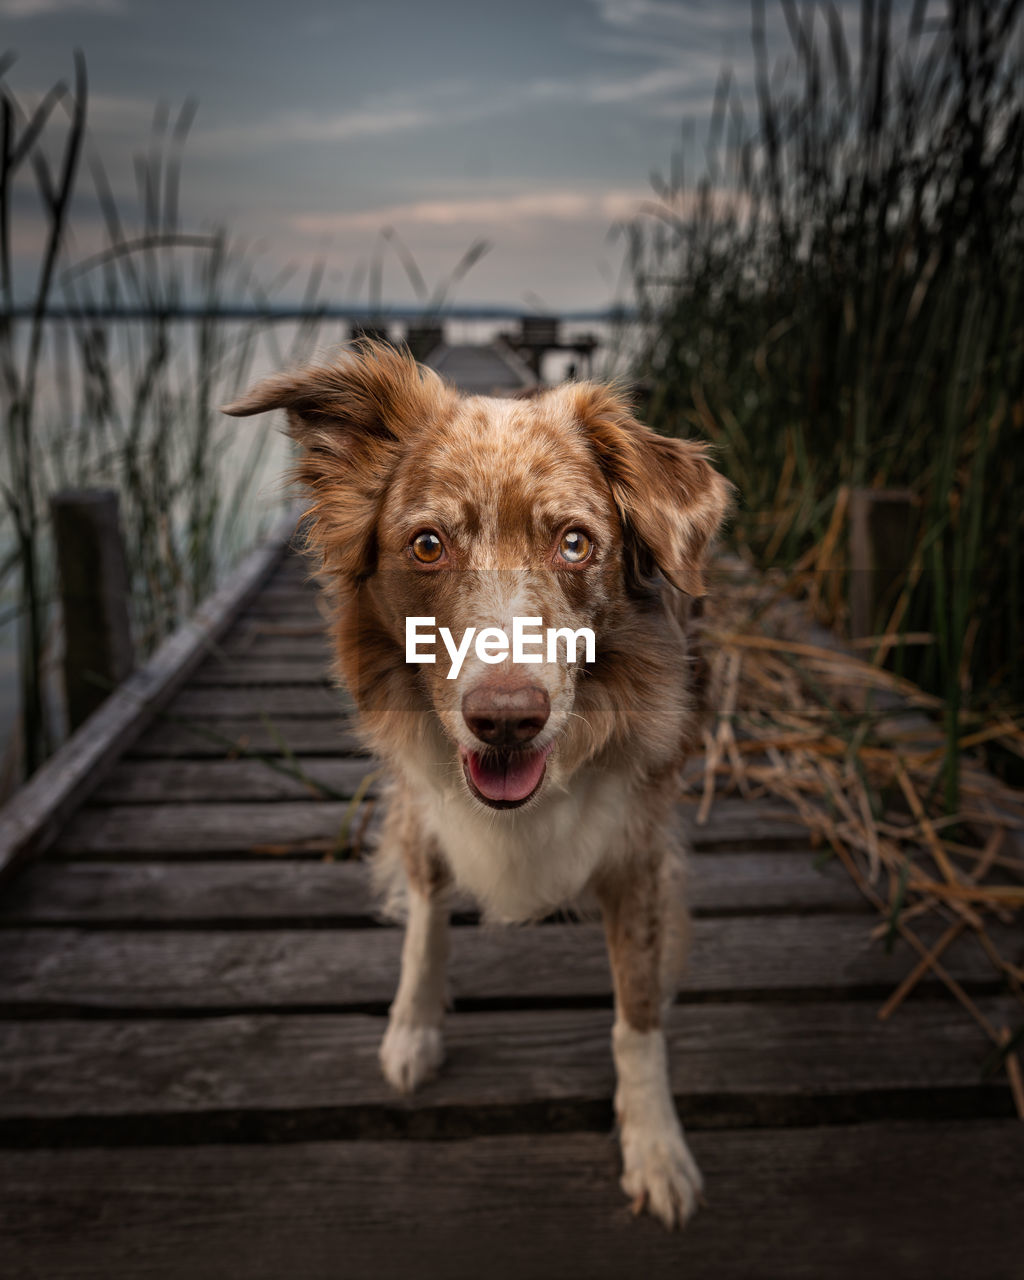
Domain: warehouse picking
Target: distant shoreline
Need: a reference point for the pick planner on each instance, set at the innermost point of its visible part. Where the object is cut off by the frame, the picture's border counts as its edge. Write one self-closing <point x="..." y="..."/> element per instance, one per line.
<point x="610" y="315"/>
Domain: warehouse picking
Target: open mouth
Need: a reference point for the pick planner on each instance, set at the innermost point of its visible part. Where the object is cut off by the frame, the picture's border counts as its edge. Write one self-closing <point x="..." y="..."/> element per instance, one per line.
<point x="504" y="779"/>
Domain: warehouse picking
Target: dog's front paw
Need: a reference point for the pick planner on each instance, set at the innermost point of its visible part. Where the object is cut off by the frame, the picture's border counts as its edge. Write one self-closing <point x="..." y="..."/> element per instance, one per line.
<point x="659" y="1174"/>
<point x="410" y="1055"/>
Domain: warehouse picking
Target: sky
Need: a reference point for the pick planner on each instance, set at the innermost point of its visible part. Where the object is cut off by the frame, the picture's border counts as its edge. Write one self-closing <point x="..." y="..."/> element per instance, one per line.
<point x="534" y="124"/>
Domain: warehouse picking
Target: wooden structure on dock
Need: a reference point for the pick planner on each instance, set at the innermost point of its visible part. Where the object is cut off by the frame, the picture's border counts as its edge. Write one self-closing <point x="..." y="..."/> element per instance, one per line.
<point x="493" y="370"/>
<point x="539" y="334"/>
<point x="194" y="983"/>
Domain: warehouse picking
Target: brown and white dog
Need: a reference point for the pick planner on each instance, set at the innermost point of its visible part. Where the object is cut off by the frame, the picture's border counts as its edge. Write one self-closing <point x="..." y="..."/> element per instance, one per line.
<point x="531" y="786"/>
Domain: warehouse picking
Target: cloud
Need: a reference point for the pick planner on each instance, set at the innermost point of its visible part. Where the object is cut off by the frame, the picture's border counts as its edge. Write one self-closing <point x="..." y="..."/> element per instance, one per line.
<point x="652" y="90"/>
<point x="375" y="116"/>
<point x="681" y="50"/>
<point x="646" y="28"/>
<point x="601" y="90"/>
<point x="114" y="114"/>
<point x="365" y="122"/>
<point x="552" y="241"/>
<point x="43" y="8"/>
<point x="495" y="212"/>
<point x="644" y="14"/>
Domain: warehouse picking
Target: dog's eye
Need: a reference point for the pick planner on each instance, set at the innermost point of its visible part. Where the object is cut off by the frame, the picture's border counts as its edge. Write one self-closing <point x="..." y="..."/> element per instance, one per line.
<point x="427" y="547"/>
<point x="575" y="546"/>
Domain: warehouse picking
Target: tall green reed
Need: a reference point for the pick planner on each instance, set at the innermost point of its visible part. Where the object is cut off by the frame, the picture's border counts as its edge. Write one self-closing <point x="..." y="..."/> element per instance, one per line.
<point x="87" y="400"/>
<point x="839" y="302"/>
<point x="19" y="144"/>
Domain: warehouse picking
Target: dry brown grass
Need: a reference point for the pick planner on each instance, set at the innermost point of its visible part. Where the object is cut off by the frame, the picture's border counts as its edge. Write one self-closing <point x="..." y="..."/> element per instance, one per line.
<point x="858" y="752"/>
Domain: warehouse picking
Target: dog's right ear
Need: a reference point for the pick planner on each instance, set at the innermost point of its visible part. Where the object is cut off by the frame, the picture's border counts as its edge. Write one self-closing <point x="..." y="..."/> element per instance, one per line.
<point x="351" y="420"/>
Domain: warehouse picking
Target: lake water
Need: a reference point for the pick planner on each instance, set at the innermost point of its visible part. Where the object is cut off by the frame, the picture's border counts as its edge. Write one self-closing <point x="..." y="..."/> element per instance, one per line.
<point x="72" y="450"/>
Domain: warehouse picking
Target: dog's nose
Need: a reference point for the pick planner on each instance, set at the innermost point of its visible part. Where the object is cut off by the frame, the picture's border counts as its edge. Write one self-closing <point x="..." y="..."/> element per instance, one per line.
<point x="504" y="715"/>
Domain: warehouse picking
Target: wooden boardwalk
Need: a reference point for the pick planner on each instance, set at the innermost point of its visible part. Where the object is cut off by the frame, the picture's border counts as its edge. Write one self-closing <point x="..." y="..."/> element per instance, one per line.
<point x="193" y="986"/>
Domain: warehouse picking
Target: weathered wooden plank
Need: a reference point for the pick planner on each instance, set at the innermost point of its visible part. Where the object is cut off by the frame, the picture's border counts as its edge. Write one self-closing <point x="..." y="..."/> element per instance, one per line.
<point x="206" y="739"/>
<point x="297" y="566"/>
<point x="32" y="817"/>
<point x="262" y="671"/>
<point x="730" y="1064"/>
<point x="283" y="593"/>
<point x="290" y="582"/>
<point x="278" y="702"/>
<point x="903" y="1201"/>
<point x="818" y="956"/>
<point x="297" y="611"/>
<point x="174" y="892"/>
<point x="192" y="781"/>
<point x="291" y="643"/>
<point x="311" y="826"/>
<point x="492" y="370"/>
<point x="274" y="828"/>
<point x="158" y="893"/>
<point x="248" y="779"/>
<point x="297" y="571"/>
<point x="288" y="585"/>
<point x="266" y="616"/>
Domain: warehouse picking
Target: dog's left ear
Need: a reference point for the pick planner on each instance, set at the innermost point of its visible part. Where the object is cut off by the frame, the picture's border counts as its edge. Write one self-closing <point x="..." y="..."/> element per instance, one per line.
<point x="669" y="496"/>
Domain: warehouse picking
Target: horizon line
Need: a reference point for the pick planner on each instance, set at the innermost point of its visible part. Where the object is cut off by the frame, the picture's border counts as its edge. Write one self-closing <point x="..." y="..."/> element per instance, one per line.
<point x="359" y="314"/>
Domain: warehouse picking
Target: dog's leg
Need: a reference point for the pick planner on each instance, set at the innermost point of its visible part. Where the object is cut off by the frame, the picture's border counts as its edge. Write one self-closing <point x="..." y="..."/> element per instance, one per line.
<point x="412" y="1049"/>
<point x="658" y="1171"/>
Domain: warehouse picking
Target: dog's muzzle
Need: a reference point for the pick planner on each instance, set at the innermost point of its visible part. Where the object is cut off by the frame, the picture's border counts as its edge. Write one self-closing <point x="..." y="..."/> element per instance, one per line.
<point x="505" y="718"/>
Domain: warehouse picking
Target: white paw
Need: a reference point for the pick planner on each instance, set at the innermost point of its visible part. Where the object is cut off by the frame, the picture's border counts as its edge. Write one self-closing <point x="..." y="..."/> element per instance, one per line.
<point x="659" y="1174"/>
<point x="410" y="1055"/>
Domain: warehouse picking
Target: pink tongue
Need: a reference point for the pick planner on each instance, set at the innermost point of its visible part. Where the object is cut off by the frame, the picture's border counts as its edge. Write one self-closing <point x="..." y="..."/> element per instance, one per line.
<point x="507" y="777"/>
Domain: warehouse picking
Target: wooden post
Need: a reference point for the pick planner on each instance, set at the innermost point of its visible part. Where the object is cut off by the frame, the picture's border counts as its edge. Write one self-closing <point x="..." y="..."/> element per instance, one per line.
<point x="537" y="335"/>
<point x="424" y="336"/>
<point x="94" y="590"/>
<point x="371" y="329"/>
<point x="882" y="527"/>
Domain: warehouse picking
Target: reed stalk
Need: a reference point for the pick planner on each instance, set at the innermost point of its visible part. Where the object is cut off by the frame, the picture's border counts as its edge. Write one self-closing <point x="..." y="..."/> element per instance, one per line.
<point x="131" y="405"/>
<point x="839" y="301"/>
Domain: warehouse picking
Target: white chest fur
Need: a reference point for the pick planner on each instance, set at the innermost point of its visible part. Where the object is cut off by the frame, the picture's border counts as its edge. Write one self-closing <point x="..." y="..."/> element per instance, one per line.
<point x="521" y="863"/>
